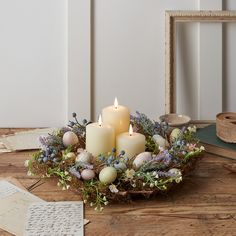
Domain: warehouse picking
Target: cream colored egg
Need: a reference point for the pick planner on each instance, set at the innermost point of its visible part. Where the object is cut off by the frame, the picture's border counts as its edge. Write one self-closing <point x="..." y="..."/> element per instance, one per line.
<point x="84" y="156"/>
<point x="160" y="141"/>
<point x="70" y="138"/>
<point x="141" y="159"/>
<point x="108" y="175"/>
<point x="175" y="134"/>
<point x="70" y="155"/>
<point x="87" y="174"/>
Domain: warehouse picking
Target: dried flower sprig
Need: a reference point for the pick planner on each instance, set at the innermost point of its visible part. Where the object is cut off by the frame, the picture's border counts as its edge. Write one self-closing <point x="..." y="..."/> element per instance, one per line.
<point x="79" y="129"/>
<point x="91" y="193"/>
<point x="159" y="179"/>
<point x="147" y="126"/>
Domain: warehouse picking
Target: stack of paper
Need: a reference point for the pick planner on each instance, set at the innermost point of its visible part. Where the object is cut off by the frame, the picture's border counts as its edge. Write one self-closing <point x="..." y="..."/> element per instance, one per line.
<point x="54" y="219"/>
<point x="22" y="213"/>
<point x="14" y="203"/>
<point x="26" y="140"/>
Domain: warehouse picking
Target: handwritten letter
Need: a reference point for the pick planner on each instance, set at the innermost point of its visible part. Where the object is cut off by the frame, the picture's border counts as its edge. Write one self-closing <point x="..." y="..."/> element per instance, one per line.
<point x="7" y="189"/>
<point x="55" y="219"/>
<point x="14" y="203"/>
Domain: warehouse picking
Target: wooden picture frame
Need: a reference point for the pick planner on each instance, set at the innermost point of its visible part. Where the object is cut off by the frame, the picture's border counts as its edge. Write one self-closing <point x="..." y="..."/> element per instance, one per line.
<point x="171" y="18"/>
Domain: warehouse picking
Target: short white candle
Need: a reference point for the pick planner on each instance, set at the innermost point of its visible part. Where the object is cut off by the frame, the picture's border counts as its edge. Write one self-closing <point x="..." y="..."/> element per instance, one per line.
<point x="100" y="138"/>
<point x="117" y="116"/>
<point x="130" y="142"/>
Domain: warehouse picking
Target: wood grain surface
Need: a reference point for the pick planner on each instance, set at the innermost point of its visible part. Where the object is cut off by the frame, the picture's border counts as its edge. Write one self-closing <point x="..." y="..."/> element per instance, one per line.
<point x="204" y="204"/>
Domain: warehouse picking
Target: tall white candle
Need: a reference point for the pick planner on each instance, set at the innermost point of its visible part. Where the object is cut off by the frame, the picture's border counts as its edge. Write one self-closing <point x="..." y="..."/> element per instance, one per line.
<point x="117" y="116"/>
<point x="100" y="138"/>
<point x="130" y="142"/>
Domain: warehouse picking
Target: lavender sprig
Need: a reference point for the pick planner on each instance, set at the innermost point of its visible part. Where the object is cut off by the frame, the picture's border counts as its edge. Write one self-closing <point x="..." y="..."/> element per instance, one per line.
<point x="75" y="172"/>
<point x="147" y="126"/>
<point x="50" y="141"/>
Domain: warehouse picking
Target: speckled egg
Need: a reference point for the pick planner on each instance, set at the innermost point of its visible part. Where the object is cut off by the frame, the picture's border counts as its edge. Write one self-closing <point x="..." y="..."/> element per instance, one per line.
<point x="108" y="175"/>
<point x="70" y="138"/>
<point x="160" y="141"/>
<point x="120" y="166"/>
<point x="84" y="156"/>
<point x="70" y="155"/>
<point x="175" y="134"/>
<point x="141" y="159"/>
<point x="87" y="174"/>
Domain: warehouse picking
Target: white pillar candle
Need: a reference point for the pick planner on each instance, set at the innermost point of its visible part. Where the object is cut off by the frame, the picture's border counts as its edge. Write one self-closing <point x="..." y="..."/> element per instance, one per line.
<point x="130" y="142"/>
<point x="100" y="138"/>
<point x="117" y="116"/>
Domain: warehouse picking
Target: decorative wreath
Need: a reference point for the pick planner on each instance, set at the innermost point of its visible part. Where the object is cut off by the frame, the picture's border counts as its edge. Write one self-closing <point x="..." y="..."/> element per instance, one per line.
<point x="170" y="155"/>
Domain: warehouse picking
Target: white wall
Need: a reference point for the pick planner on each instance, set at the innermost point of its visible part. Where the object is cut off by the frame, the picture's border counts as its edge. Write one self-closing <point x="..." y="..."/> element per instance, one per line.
<point x="59" y="56"/>
<point x="129" y="49"/>
<point x="229" y="68"/>
<point x="200" y="67"/>
<point x="33" y="62"/>
<point x="206" y="67"/>
<point x="129" y="54"/>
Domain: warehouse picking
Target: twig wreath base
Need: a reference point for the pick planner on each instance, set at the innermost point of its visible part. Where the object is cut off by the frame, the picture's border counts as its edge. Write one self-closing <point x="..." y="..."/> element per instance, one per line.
<point x="170" y="155"/>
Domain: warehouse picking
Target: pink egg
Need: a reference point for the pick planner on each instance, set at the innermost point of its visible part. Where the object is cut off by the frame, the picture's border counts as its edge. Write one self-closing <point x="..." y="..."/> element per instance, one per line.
<point x="87" y="174"/>
<point x="70" y="138"/>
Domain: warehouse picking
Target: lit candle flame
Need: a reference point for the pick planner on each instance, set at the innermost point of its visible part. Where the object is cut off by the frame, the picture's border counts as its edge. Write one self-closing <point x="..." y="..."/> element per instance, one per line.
<point x="116" y="103"/>
<point x="130" y="130"/>
<point x="100" y="120"/>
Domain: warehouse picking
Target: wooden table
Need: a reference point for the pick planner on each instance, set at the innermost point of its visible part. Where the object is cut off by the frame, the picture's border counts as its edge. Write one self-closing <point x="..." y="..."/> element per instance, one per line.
<point x="205" y="203"/>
